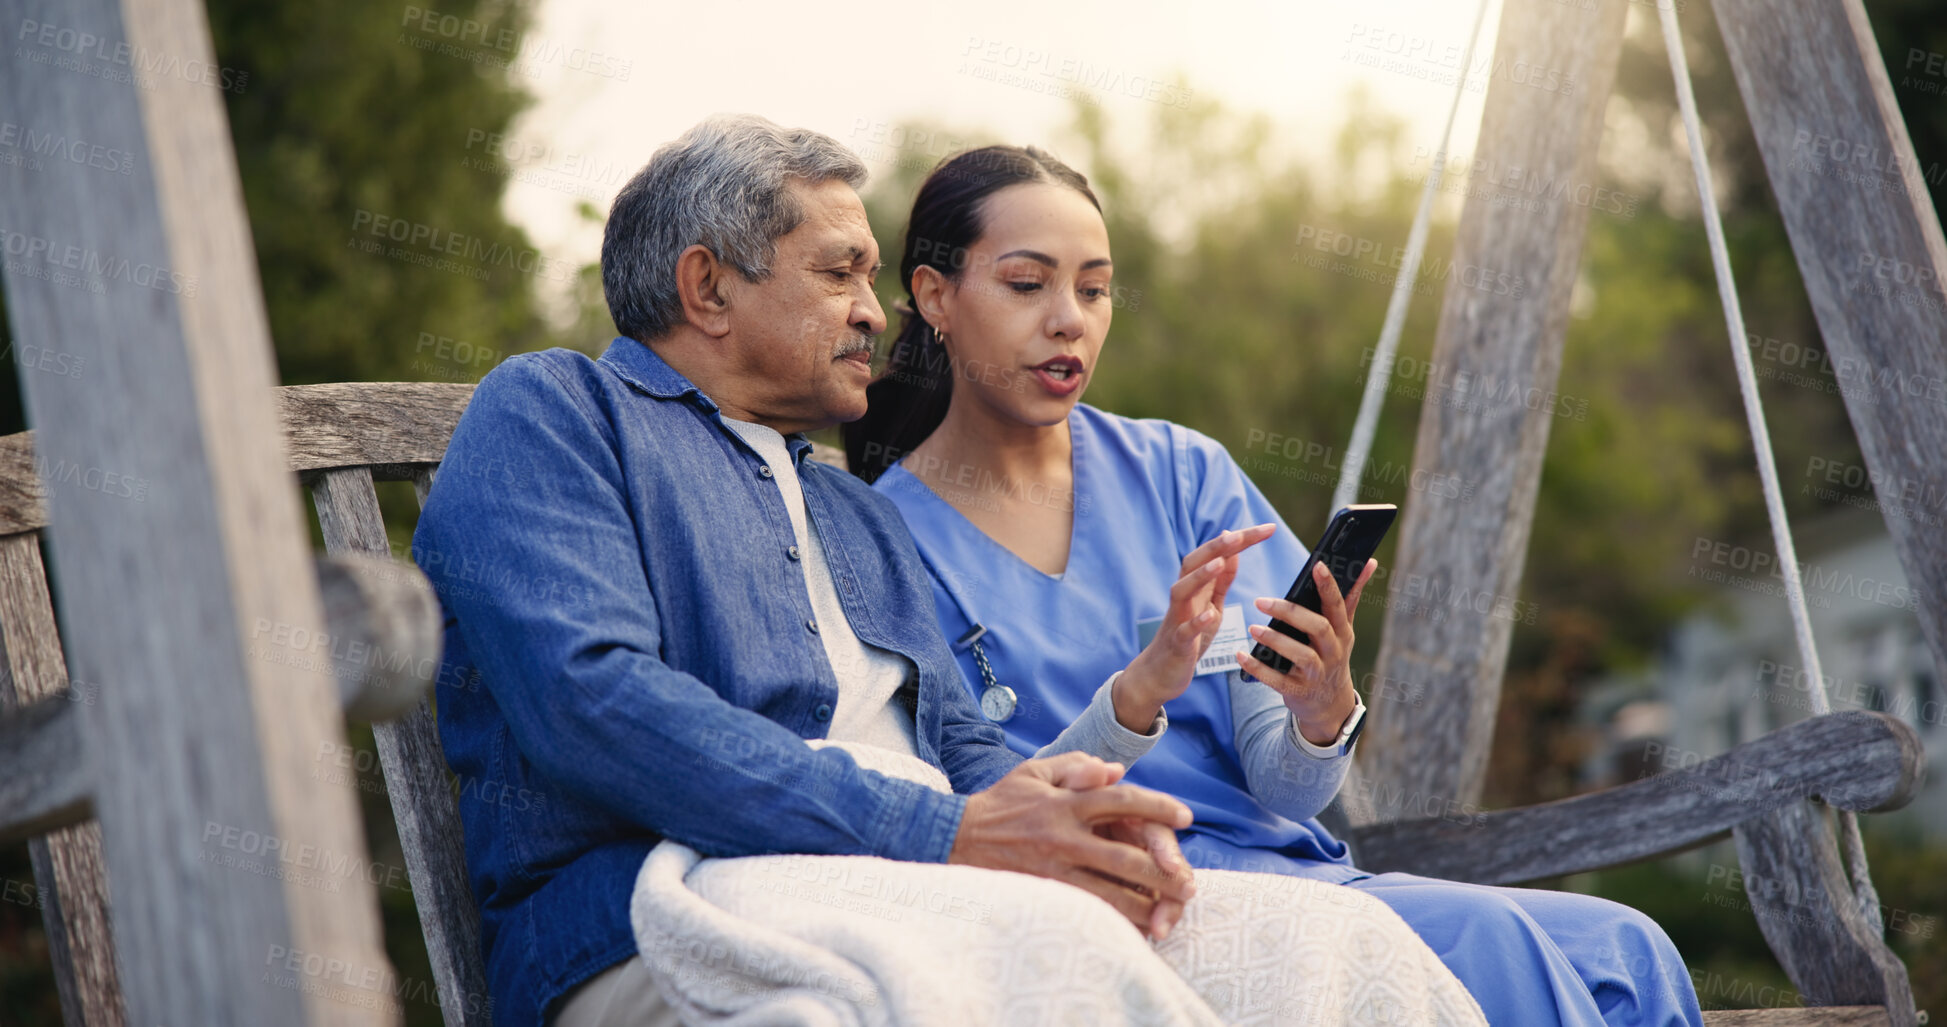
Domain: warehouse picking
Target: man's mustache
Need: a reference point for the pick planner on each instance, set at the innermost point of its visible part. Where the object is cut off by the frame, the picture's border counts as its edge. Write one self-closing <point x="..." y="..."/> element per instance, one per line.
<point x="863" y="342"/>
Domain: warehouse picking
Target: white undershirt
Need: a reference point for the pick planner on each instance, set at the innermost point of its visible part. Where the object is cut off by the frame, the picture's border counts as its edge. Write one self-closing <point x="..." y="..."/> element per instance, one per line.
<point x="867" y="676"/>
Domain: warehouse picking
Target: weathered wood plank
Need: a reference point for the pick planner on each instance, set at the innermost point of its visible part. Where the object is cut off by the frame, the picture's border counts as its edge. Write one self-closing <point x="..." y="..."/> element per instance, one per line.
<point x="1498" y="344"/>
<point x="68" y="868"/>
<point x="1870" y="250"/>
<point x="1856" y="760"/>
<point x="1869" y="247"/>
<point x="176" y="534"/>
<point x="1804" y="905"/>
<point x="394" y="428"/>
<point x="23" y="497"/>
<point x="1824" y="1016"/>
<point x="416" y="778"/>
<point x="33" y="666"/>
<point x="385" y="633"/>
<point x="353" y="424"/>
<point x="430" y="837"/>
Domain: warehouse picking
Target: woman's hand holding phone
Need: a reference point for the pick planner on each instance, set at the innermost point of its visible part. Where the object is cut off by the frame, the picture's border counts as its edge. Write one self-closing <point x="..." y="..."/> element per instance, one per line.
<point x="1318" y="688"/>
<point x="1164" y="668"/>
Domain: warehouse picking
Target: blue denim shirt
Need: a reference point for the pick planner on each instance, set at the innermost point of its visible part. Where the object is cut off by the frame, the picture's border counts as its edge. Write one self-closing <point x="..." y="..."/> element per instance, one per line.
<point x="631" y="655"/>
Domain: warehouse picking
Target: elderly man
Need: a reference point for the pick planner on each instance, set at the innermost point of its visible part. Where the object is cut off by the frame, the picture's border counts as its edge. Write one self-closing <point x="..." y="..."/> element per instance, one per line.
<point x="635" y="601"/>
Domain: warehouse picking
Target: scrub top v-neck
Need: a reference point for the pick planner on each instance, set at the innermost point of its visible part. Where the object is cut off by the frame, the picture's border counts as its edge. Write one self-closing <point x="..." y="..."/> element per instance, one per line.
<point x="1034" y="492"/>
<point x="1145" y="493"/>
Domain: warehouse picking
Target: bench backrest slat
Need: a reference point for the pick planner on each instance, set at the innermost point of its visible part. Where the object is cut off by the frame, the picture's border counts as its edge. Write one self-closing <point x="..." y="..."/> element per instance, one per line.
<point x="370" y="424"/>
<point x="23" y="498"/>
<point x="69" y="872"/>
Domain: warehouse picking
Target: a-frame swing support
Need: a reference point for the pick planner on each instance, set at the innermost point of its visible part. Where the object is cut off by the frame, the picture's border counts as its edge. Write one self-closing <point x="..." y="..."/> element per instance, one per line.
<point x="1869" y="246"/>
<point x="164" y="595"/>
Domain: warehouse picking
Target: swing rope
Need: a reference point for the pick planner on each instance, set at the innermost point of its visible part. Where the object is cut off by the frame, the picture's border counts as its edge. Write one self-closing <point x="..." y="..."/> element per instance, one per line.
<point x="1862" y="883"/>
<point x="1360" y="448"/>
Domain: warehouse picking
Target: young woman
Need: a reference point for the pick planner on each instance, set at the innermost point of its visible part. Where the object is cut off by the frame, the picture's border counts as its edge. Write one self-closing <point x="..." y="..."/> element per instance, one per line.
<point x="1055" y="532"/>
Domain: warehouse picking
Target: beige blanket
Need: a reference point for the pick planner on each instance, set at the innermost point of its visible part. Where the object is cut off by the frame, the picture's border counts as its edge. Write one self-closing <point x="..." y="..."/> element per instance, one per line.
<point x="863" y="940"/>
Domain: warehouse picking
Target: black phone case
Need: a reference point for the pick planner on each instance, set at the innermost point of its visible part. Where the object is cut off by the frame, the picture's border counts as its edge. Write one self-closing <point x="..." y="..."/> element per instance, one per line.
<point x="1344" y="563"/>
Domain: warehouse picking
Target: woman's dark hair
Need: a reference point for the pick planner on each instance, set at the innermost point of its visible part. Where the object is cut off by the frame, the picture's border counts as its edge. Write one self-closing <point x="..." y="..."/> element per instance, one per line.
<point x="908" y="401"/>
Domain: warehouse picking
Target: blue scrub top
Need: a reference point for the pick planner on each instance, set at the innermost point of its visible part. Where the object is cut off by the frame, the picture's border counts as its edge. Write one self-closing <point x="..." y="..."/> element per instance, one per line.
<point x="1146" y="492"/>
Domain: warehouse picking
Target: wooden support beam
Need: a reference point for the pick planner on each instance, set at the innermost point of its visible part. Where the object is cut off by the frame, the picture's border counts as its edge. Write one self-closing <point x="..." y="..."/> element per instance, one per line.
<point x="1870" y="250"/>
<point x="178" y="543"/>
<point x="1499" y="344"/>
<point x="1869" y="247"/>
<point x="1804" y="905"/>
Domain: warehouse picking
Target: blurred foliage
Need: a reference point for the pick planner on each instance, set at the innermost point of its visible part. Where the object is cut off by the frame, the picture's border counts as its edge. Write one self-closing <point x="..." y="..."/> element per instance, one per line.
<point x="1912" y="38"/>
<point x="345" y="121"/>
<point x="1225" y="321"/>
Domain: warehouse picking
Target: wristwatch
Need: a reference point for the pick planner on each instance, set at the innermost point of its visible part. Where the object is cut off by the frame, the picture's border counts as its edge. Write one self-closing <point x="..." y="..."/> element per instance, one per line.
<point x="1348" y="734"/>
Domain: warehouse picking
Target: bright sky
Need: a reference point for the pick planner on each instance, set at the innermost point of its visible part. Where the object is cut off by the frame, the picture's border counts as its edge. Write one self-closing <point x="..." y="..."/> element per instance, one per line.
<point x="615" y="80"/>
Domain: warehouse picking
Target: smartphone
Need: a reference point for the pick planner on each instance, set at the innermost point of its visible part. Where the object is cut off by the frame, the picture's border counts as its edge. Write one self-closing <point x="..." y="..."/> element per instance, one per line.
<point x="1349" y="541"/>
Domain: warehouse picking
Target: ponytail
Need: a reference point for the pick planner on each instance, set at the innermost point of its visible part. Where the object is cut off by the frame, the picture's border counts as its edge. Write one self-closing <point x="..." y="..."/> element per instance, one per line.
<point x="905" y="403"/>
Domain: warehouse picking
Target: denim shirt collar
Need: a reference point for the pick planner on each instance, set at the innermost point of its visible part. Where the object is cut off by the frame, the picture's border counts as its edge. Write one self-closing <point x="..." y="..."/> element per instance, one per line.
<point x="639" y="365"/>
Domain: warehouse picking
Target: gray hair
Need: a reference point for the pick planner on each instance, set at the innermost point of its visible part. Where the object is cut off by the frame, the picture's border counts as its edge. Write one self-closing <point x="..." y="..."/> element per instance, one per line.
<point x="722" y="184"/>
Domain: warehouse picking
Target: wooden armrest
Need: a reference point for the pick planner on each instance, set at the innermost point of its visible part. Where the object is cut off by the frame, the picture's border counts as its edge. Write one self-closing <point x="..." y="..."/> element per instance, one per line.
<point x="46" y="778"/>
<point x="384" y="647"/>
<point x="1855" y="760"/>
<point x="1820" y="1016"/>
<point x="385" y="633"/>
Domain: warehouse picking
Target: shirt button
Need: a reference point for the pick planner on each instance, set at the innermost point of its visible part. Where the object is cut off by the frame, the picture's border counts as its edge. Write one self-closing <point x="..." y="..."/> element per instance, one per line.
<point x="792" y="552"/>
<point x="823" y="712"/>
<point x="811" y="626"/>
<point x="764" y="469"/>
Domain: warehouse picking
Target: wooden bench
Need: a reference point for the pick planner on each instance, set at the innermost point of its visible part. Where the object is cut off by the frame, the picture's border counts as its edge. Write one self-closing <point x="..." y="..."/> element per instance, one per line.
<point x="342" y="438"/>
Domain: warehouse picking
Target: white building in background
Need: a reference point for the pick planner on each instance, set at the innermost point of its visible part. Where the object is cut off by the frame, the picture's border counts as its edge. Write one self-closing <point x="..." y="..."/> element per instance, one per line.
<point x="1731" y="671"/>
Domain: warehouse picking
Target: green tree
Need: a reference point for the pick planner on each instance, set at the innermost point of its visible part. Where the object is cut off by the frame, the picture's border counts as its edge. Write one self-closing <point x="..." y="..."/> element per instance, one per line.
<point x="345" y="121"/>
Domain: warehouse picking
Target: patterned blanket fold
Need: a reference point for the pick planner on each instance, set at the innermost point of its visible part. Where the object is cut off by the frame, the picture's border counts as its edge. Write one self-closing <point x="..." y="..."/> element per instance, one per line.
<point x="844" y="940"/>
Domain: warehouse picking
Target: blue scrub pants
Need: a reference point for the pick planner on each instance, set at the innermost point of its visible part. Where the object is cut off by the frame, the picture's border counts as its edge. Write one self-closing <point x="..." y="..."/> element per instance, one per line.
<point x="1545" y="957"/>
<point x="1527" y="956"/>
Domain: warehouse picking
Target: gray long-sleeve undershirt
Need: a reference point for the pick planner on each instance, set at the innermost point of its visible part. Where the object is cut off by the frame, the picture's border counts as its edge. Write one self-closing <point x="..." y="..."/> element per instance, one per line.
<point x="1284" y="777"/>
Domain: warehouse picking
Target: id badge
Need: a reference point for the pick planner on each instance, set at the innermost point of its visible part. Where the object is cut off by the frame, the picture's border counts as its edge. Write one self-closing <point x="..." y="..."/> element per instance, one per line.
<point x="1232" y="638"/>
